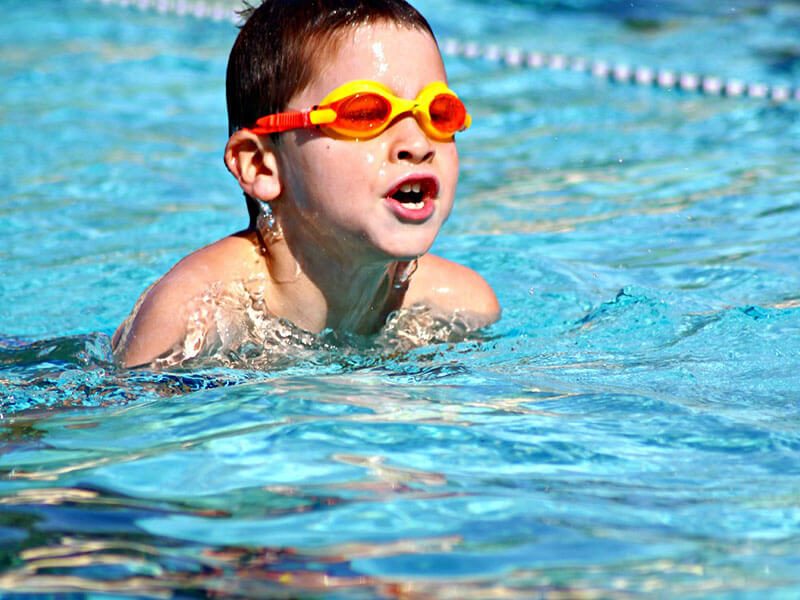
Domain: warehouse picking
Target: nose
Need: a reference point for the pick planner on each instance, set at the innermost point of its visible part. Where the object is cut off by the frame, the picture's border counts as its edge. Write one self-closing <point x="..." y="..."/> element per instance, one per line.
<point x="409" y="142"/>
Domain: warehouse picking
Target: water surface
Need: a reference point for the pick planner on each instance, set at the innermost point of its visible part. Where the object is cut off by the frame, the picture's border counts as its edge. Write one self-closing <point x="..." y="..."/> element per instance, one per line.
<point x="628" y="429"/>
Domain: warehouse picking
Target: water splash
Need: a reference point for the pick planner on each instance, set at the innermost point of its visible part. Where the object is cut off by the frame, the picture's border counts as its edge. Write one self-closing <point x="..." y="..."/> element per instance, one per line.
<point x="80" y="371"/>
<point x="231" y="326"/>
<point x="231" y="338"/>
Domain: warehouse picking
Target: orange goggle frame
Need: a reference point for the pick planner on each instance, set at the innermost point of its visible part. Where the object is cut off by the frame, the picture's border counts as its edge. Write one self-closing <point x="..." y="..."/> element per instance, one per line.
<point x="364" y="109"/>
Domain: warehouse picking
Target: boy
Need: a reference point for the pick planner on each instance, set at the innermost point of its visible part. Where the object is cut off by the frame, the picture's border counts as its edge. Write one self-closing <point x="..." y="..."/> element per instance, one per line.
<point x="347" y="183"/>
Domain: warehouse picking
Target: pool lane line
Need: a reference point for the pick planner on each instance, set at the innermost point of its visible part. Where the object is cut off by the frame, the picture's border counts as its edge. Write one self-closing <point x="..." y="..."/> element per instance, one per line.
<point x="622" y="73"/>
<point x="212" y="11"/>
<point x="618" y="73"/>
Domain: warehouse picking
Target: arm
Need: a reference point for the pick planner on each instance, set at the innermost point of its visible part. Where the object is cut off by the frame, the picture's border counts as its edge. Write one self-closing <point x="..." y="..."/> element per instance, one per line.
<point x="173" y="313"/>
<point x="159" y="320"/>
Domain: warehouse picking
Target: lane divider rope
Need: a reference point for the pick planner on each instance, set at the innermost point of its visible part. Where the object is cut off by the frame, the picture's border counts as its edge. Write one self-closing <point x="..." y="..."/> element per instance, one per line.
<point x="622" y="73"/>
<point x="619" y="73"/>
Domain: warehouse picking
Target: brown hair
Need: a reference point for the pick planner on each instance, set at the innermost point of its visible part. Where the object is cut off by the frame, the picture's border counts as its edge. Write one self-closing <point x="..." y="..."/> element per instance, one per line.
<point x="277" y="51"/>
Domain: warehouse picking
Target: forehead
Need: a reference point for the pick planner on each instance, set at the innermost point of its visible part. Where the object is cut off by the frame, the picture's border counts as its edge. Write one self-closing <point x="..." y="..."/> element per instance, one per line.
<point x="402" y="58"/>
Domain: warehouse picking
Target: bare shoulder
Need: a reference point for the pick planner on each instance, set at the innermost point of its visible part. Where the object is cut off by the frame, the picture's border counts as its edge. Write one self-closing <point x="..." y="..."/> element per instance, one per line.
<point x="453" y="288"/>
<point x="160" y="317"/>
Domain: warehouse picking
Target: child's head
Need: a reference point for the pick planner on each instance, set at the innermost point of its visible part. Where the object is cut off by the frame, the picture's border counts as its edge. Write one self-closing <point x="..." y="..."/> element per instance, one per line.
<point x="284" y="43"/>
<point x="383" y="195"/>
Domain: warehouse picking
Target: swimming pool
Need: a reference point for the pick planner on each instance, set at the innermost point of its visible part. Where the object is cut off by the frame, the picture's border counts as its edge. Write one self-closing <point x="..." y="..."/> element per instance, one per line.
<point x="629" y="428"/>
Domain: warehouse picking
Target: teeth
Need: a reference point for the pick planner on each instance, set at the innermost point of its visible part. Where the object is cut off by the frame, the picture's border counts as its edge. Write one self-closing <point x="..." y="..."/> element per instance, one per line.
<point x="408" y="188"/>
<point x="414" y="205"/>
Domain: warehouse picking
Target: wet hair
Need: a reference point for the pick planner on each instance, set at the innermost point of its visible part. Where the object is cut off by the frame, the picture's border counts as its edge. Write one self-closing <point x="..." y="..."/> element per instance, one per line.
<point x="283" y="43"/>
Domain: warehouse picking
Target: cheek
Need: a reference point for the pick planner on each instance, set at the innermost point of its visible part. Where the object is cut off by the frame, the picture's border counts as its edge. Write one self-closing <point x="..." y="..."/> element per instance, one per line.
<point x="312" y="169"/>
<point x="338" y="161"/>
<point x="449" y="165"/>
<point x="451" y="157"/>
<point x="329" y="176"/>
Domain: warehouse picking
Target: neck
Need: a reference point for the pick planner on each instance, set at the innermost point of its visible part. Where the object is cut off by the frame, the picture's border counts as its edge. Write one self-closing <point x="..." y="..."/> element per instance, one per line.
<point x="319" y="291"/>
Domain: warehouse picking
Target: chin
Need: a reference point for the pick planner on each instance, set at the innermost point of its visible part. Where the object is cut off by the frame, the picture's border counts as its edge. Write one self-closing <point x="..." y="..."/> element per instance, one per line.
<point x="406" y="247"/>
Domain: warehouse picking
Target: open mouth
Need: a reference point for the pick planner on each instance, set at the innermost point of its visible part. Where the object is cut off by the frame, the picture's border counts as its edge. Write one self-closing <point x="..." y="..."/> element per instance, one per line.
<point x="413" y="194"/>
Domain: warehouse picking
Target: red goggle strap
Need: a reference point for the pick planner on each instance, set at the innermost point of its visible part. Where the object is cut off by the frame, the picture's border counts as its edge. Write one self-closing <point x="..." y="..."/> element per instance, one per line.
<point x="282" y="122"/>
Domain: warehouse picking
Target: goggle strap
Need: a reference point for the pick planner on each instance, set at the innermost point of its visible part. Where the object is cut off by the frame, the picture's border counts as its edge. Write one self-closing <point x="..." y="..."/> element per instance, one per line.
<point x="281" y="122"/>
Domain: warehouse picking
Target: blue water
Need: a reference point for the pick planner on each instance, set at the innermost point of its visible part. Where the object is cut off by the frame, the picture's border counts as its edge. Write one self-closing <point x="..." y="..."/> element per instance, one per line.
<point x="628" y="429"/>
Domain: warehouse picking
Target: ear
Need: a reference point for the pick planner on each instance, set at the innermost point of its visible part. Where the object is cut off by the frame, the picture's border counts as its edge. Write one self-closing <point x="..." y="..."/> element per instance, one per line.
<point x="252" y="161"/>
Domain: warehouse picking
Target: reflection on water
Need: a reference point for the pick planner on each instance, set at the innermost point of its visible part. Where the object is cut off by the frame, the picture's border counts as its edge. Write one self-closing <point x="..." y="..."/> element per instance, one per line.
<point x="621" y="429"/>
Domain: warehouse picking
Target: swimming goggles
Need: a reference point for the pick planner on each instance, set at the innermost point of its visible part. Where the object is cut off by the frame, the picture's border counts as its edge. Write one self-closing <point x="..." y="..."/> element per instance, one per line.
<point x="364" y="109"/>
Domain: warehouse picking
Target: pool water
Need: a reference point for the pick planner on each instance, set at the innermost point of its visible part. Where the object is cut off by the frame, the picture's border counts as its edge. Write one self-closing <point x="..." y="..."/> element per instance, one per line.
<point x="630" y="428"/>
